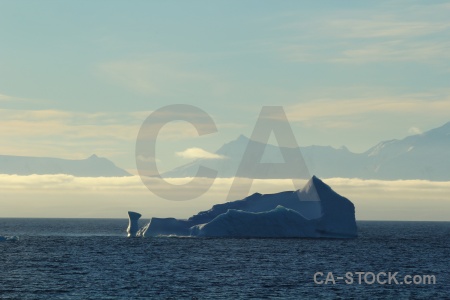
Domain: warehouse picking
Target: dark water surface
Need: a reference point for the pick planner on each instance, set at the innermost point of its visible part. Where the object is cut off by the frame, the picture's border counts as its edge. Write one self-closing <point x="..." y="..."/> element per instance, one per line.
<point x="92" y="259"/>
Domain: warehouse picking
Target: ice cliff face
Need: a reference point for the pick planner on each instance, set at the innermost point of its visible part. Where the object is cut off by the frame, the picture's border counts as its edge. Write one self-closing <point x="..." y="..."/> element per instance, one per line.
<point x="133" y="227"/>
<point x="314" y="211"/>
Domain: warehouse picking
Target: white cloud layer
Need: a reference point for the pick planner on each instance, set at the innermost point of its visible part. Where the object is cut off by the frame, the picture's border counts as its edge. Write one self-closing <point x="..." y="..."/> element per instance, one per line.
<point x="69" y="196"/>
<point x="414" y="130"/>
<point x="197" y="153"/>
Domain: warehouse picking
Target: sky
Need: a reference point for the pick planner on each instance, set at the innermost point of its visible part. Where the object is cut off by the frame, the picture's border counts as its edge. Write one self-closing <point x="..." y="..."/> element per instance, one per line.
<point x="80" y="77"/>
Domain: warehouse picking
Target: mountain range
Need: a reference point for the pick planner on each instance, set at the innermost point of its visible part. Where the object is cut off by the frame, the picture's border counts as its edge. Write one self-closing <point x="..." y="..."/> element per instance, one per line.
<point x="93" y="166"/>
<point x="420" y="156"/>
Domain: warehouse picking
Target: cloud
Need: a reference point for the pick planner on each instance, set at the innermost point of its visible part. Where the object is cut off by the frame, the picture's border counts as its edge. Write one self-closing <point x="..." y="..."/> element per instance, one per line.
<point x="406" y="33"/>
<point x="69" y="196"/>
<point x="65" y="134"/>
<point x="383" y="27"/>
<point x="335" y="111"/>
<point x="63" y="182"/>
<point x="45" y="124"/>
<point x="198" y="153"/>
<point x="159" y="74"/>
<point x="10" y="98"/>
<point x="5" y="98"/>
<point x="396" y="50"/>
<point x="77" y="135"/>
<point x="414" y="130"/>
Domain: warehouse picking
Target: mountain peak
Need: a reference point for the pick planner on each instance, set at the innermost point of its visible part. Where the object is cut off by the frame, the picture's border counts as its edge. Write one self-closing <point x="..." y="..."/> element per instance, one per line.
<point x="446" y="127"/>
<point x="92" y="166"/>
<point x="242" y="138"/>
<point x="315" y="180"/>
<point x="442" y="130"/>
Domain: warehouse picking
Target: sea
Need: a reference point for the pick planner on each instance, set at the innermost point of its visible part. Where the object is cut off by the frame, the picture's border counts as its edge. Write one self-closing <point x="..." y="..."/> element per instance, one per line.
<point x="93" y="259"/>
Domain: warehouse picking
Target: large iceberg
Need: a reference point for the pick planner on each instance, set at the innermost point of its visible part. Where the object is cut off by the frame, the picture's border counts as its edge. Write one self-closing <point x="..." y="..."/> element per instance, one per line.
<point x="315" y="211"/>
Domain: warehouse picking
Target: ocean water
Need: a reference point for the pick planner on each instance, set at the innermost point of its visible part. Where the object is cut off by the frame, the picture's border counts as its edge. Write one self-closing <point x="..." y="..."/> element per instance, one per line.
<point x="93" y="259"/>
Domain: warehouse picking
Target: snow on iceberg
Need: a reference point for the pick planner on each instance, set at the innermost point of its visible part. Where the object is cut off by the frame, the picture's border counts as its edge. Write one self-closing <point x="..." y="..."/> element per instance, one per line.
<point x="315" y="211"/>
<point x="278" y="222"/>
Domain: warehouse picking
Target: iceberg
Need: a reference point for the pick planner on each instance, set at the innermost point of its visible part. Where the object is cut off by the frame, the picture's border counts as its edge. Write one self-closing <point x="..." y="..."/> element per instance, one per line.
<point x="133" y="226"/>
<point x="315" y="211"/>
<point x="8" y="238"/>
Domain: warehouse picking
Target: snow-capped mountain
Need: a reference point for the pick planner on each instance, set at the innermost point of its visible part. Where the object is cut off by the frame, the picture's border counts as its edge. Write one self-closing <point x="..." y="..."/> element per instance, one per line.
<point x="421" y="156"/>
<point x="93" y="166"/>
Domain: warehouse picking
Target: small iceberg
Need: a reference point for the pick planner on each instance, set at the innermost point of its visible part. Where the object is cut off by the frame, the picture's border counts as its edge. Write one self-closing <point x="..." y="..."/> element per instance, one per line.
<point x="8" y="238"/>
<point x="133" y="226"/>
<point x="315" y="211"/>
